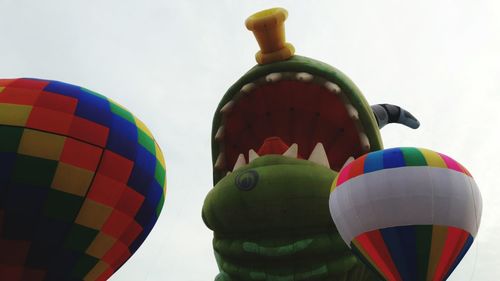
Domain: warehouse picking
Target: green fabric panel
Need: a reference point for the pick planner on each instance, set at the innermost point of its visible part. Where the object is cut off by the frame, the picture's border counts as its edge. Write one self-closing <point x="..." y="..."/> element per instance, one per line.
<point x="34" y="171"/>
<point x="160" y="173"/>
<point x="62" y="205"/>
<point x="83" y="266"/>
<point x="423" y="244"/>
<point x="80" y="237"/>
<point x="160" y="204"/>
<point x="413" y="156"/>
<point x="146" y="141"/>
<point x="121" y="112"/>
<point x="94" y="93"/>
<point x="10" y="138"/>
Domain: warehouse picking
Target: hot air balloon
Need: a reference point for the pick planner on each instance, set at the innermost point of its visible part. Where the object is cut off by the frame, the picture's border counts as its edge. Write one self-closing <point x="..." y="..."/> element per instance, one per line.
<point x="409" y="213"/>
<point x="280" y="135"/>
<point x="82" y="182"/>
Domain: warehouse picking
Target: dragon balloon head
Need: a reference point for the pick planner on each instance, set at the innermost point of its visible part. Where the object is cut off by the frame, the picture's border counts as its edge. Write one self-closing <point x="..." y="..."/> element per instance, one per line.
<point x="280" y="135"/>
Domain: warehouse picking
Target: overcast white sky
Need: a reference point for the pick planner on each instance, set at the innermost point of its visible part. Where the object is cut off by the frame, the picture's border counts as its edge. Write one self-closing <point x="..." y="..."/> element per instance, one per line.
<point x="170" y="62"/>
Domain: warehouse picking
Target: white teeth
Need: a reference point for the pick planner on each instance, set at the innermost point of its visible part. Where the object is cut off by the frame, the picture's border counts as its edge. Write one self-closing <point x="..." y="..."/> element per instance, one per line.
<point x="219" y="163"/>
<point x="332" y="87"/>
<point x="349" y="160"/>
<point x="248" y="88"/>
<point x="252" y="155"/>
<point x="353" y="113"/>
<point x="227" y="107"/>
<point x="292" y="151"/>
<point x="220" y="133"/>
<point x="274" y="77"/>
<point x="365" y="143"/>
<point x="304" y="76"/>
<point x="318" y="155"/>
<point x="240" y="162"/>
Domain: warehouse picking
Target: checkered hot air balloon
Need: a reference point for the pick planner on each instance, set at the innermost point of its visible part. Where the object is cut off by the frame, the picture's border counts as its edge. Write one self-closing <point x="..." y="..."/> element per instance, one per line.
<point x="82" y="182"/>
<point x="408" y="213"/>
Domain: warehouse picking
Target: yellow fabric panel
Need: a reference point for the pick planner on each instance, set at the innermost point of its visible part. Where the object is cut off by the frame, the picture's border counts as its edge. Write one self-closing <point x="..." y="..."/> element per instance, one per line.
<point x="98" y="269"/>
<point x="433" y="159"/>
<point x="334" y="184"/>
<point x="438" y="237"/>
<point x="93" y="214"/>
<point x="14" y="114"/>
<point x="1" y="89"/>
<point x="71" y="179"/>
<point x="41" y="144"/>
<point x="159" y="155"/>
<point x="101" y="245"/>
<point x="143" y="127"/>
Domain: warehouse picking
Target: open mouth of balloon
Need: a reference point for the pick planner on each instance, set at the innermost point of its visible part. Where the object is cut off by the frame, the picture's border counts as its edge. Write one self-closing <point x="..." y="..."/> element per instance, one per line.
<point x="294" y="114"/>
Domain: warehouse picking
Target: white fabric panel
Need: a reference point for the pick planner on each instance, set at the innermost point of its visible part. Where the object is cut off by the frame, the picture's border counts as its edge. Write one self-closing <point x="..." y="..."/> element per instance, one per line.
<point x="478" y="206"/>
<point x="405" y="196"/>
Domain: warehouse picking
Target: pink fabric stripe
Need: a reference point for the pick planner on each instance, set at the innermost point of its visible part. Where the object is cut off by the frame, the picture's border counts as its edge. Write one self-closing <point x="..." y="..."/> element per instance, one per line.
<point x="450" y="163"/>
<point x="344" y="174"/>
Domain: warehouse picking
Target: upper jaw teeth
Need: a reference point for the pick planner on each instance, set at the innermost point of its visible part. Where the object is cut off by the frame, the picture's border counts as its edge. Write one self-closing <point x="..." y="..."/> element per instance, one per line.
<point x="274" y="77"/>
<point x="318" y="155"/>
<point x="304" y="76"/>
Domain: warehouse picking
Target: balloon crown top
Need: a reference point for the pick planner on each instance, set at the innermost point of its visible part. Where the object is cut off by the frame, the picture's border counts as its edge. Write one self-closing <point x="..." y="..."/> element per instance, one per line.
<point x="269" y="30"/>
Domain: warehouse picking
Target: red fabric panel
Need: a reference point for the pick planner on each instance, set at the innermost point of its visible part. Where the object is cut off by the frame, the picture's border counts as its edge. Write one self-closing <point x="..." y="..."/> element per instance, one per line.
<point x="130" y="202"/>
<point x="19" y="96"/>
<point x="455" y="240"/>
<point x="115" y="166"/>
<point x="89" y="131"/>
<point x="10" y="272"/>
<point x="357" y="167"/>
<point x="116" y="224"/>
<point x="131" y="233"/>
<point x="13" y="252"/>
<point x="81" y="154"/>
<point x="114" y="256"/>
<point x="106" y="190"/>
<point x="49" y="120"/>
<point x="29" y="83"/>
<point x="374" y="245"/>
<point x="57" y="102"/>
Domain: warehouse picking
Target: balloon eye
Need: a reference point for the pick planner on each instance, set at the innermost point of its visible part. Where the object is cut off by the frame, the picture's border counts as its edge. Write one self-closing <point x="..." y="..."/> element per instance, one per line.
<point x="247" y="180"/>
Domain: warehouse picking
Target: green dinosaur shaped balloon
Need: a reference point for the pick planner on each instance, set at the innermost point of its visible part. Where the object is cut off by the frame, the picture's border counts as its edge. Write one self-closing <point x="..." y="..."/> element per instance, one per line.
<point x="280" y="135"/>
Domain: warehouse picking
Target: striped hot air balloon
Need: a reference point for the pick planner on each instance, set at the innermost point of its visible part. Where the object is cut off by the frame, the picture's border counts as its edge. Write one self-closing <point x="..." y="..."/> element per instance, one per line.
<point x="408" y="213"/>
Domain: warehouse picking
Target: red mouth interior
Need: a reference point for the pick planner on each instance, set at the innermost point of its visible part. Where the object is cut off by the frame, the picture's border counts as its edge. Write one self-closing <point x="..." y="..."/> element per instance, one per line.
<point x="296" y="112"/>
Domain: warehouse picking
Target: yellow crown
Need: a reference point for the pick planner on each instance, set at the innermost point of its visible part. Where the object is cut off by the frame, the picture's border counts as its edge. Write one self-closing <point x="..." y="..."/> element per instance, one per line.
<point x="269" y="30"/>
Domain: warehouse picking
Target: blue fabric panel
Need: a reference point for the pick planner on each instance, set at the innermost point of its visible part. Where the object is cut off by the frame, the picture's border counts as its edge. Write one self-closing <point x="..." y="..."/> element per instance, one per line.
<point x="63" y="89"/>
<point x="393" y="158"/>
<point x="94" y="109"/>
<point x="374" y="162"/>
<point x="401" y="243"/>
<point x="122" y="138"/>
